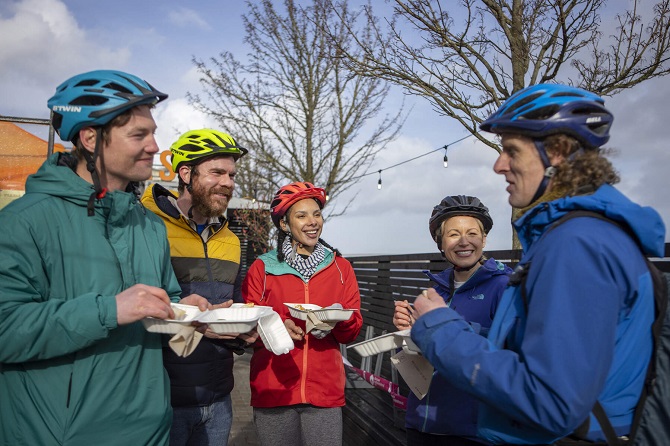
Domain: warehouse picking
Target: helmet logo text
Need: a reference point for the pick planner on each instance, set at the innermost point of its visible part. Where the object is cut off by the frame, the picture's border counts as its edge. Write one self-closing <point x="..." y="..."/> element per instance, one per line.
<point x="67" y="108"/>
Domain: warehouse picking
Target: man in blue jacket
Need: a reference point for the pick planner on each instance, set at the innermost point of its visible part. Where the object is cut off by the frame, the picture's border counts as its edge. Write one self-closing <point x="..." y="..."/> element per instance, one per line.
<point x="81" y="263"/>
<point x="577" y="330"/>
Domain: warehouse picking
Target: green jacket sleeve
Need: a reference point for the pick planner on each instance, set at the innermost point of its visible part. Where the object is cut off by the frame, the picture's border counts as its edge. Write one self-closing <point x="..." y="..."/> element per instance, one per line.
<point x="34" y="324"/>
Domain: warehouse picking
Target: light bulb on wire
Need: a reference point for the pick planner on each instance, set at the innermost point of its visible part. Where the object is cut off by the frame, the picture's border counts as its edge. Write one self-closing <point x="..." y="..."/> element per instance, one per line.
<point x="379" y="182"/>
<point x="446" y="160"/>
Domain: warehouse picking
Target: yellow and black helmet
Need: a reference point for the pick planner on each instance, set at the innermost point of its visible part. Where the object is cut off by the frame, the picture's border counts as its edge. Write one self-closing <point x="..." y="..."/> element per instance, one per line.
<point x="195" y="146"/>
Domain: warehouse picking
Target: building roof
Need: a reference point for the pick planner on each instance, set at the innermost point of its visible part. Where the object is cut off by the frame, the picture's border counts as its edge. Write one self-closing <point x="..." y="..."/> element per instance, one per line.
<point x="21" y="154"/>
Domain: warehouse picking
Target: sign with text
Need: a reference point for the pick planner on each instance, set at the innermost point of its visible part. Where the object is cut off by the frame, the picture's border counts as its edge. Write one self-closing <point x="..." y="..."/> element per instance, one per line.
<point x="166" y="174"/>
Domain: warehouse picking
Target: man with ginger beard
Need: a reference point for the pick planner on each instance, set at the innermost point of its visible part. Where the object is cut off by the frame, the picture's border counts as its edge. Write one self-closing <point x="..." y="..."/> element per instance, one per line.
<point x="205" y="256"/>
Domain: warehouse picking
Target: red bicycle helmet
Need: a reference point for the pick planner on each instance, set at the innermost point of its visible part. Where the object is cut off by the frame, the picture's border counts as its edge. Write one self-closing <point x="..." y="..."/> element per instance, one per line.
<point x="287" y="195"/>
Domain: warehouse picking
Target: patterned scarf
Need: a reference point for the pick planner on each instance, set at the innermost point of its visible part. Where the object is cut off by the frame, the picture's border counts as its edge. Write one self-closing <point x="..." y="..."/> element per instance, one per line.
<point x="304" y="265"/>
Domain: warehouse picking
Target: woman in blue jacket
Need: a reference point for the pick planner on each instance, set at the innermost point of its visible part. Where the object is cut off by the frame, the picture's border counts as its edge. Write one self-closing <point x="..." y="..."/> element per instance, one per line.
<point x="472" y="287"/>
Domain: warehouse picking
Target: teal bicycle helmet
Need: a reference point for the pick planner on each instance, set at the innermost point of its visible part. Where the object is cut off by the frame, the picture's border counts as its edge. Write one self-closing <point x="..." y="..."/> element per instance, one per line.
<point x="97" y="97"/>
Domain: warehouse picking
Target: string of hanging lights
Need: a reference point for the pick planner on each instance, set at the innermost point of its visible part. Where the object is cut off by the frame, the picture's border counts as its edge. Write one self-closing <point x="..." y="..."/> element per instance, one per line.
<point x="445" y="160"/>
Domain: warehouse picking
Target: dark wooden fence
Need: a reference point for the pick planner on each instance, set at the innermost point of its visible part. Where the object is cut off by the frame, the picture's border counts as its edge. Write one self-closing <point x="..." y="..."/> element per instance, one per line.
<point x="382" y="280"/>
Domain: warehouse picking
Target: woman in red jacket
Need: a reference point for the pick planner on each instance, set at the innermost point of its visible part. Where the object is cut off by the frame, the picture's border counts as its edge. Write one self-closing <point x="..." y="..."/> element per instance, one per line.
<point x="297" y="397"/>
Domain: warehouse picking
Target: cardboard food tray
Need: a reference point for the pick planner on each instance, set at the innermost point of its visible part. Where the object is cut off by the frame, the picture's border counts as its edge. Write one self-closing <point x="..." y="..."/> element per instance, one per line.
<point x="323" y="314"/>
<point x="235" y="319"/>
<point x="406" y="341"/>
<point x="377" y="345"/>
<point x="232" y="319"/>
<point x="273" y="333"/>
<point x="171" y="326"/>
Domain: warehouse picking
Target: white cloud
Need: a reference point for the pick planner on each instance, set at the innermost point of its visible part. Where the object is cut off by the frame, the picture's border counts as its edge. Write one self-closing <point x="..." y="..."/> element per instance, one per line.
<point x="395" y="219"/>
<point x="186" y="18"/>
<point x="176" y="116"/>
<point x="42" y="45"/>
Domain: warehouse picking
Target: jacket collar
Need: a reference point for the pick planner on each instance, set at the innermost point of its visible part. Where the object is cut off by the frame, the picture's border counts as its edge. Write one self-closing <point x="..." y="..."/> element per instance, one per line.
<point x="644" y="222"/>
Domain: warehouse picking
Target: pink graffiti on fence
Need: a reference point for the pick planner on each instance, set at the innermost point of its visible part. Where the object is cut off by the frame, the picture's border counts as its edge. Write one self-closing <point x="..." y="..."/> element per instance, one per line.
<point x="399" y="401"/>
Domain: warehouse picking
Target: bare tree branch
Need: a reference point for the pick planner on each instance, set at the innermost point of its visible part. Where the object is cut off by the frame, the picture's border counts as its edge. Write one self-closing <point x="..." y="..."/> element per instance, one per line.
<point x="301" y="112"/>
<point x="468" y="57"/>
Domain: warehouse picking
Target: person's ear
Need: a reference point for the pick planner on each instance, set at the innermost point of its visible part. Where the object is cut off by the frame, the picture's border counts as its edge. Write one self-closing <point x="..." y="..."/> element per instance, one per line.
<point x="560" y="152"/>
<point x="284" y="227"/>
<point x="484" y="240"/>
<point x="87" y="136"/>
<point x="184" y="173"/>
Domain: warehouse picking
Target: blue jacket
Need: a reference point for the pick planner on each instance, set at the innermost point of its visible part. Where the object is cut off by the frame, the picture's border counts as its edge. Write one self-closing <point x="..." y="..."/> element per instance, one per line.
<point x="584" y="337"/>
<point x="447" y="409"/>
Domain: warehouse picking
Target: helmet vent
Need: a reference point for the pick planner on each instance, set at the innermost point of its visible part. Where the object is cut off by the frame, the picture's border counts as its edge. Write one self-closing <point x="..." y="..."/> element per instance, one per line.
<point x="522" y="102"/>
<point x="85" y="83"/>
<point x="193" y="147"/>
<point x="56" y="120"/>
<point x="542" y="112"/>
<point x="88" y="100"/>
<point x="569" y="94"/>
<point x="116" y="87"/>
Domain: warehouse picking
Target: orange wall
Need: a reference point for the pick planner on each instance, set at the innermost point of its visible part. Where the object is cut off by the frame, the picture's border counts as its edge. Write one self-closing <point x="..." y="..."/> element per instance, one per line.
<point x="21" y="154"/>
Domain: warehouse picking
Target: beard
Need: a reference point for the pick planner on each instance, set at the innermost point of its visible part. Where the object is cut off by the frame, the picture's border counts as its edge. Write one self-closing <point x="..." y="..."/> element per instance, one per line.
<point x="205" y="204"/>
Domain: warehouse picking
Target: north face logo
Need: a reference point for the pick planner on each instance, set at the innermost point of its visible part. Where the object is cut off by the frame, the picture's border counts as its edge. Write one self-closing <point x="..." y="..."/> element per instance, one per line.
<point x="477" y="297"/>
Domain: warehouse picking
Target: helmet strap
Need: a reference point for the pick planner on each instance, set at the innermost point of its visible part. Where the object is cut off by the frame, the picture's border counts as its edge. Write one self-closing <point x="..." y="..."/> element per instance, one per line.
<point x="189" y="185"/>
<point x="191" y="172"/>
<point x="98" y="191"/>
<point x="549" y="170"/>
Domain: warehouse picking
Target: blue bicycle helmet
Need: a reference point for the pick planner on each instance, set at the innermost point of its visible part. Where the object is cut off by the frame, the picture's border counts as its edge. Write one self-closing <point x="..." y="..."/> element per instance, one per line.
<point x="547" y="109"/>
<point x="97" y="97"/>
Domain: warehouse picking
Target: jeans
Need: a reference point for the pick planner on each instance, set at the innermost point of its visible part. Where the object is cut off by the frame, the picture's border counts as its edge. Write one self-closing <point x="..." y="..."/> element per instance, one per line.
<point x="202" y="425"/>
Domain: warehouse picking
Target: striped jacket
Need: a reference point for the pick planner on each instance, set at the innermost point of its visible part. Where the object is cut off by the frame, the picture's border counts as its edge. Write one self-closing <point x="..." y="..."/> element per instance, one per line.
<point x="208" y="265"/>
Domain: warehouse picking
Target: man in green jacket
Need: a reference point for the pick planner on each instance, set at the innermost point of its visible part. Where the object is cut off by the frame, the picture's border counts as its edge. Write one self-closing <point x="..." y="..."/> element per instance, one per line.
<point x="81" y="263"/>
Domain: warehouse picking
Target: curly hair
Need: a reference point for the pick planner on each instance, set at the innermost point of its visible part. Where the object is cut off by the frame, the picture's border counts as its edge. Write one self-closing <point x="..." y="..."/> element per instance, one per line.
<point x="583" y="169"/>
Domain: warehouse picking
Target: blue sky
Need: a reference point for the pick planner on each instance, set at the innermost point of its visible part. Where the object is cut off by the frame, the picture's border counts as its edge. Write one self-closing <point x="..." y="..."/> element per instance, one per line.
<point x="43" y="42"/>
